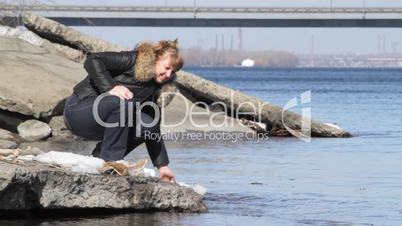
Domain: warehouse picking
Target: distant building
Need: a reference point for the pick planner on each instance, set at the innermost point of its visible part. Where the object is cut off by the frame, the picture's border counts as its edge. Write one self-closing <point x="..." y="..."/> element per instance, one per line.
<point x="352" y="60"/>
<point x="247" y="63"/>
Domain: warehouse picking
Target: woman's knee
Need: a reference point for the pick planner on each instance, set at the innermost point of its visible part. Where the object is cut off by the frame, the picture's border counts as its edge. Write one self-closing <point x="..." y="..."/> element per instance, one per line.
<point x="113" y="104"/>
<point x="108" y="102"/>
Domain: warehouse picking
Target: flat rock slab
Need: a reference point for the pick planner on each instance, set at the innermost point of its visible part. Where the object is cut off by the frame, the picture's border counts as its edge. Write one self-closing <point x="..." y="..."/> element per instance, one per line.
<point x="33" y="186"/>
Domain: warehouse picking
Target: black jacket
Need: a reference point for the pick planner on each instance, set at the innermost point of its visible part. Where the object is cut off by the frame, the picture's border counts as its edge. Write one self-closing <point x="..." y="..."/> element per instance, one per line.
<point x="108" y="69"/>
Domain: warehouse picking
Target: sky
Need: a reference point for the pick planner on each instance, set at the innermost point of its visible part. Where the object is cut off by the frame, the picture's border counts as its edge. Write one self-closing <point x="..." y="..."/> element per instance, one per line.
<point x="297" y="40"/>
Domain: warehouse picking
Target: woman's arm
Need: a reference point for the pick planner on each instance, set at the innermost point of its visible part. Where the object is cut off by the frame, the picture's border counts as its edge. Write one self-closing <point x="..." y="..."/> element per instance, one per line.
<point x="100" y="65"/>
<point x="158" y="154"/>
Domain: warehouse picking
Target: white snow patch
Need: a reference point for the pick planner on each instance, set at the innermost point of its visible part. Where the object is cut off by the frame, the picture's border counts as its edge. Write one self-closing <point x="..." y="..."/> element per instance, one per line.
<point x="333" y="125"/>
<point x="77" y="163"/>
<point x="197" y="188"/>
<point x="147" y="172"/>
<point x="83" y="164"/>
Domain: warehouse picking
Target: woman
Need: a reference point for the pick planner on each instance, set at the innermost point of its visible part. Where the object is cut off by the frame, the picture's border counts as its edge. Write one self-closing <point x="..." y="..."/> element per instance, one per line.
<point x="129" y="78"/>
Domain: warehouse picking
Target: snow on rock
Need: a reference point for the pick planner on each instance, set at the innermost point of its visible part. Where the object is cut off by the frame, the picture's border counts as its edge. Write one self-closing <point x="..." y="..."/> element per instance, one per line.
<point x="201" y="190"/>
<point x="147" y="172"/>
<point x="77" y="163"/>
<point x="333" y="125"/>
<point x="84" y="164"/>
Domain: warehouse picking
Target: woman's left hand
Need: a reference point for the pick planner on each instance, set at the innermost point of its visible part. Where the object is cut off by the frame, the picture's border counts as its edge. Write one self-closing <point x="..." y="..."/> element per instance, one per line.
<point x="166" y="175"/>
<point x="121" y="92"/>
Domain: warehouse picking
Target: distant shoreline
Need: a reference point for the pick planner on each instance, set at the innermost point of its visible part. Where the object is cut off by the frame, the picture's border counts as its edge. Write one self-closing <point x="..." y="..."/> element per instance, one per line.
<point x="291" y="68"/>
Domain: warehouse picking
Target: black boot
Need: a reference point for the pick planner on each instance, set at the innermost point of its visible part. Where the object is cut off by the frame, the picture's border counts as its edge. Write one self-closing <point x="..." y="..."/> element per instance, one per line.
<point x="96" y="152"/>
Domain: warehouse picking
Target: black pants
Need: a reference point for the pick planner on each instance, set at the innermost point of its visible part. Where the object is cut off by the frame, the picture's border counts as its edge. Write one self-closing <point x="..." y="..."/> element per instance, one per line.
<point x="116" y="141"/>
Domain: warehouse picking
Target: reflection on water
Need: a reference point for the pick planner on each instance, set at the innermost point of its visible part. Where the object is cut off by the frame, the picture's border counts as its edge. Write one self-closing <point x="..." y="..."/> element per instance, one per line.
<point x="285" y="181"/>
<point x="108" y="220"/>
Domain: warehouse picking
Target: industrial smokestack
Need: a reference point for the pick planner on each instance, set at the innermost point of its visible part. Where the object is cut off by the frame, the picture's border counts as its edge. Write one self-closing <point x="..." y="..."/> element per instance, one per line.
<point x="231" y="42"/>
<point x="223" y="42"/>
<point x="240" y="36"/>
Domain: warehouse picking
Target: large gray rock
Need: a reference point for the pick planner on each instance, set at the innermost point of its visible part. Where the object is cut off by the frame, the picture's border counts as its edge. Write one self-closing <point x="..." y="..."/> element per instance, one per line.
<point x="34" y="130"/>
<point x="32" y="38"/>
<point x="33" y="80"/>
<point x="41" y="187"/>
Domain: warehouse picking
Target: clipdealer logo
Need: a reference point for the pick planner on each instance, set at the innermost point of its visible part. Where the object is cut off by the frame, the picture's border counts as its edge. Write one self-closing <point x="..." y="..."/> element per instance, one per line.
<point x="225" y="136"/>
<point x="130" y="115"/>
<point x="305" y="132"/>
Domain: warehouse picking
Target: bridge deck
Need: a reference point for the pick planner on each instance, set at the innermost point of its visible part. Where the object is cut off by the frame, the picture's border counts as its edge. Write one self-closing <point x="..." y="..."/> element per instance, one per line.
<point x="184" y="9"/>
<point x="177" y="16"/>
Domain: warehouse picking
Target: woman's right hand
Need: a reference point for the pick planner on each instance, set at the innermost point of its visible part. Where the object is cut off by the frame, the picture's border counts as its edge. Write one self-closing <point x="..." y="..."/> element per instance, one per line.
<point x="121" y="92"/>
<point x="166" y="174"/>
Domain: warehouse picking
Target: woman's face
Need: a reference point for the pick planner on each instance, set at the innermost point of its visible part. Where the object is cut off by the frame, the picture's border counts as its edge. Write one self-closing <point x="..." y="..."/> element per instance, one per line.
<point x="163" y="70"/>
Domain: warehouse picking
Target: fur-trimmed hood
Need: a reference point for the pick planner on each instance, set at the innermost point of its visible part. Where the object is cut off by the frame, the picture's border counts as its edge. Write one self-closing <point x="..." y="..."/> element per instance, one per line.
<point x="144" y="68"/>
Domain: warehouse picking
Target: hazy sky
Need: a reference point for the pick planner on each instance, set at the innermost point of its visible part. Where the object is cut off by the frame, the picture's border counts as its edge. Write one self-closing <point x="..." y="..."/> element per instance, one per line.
<point x="298" y="40"/>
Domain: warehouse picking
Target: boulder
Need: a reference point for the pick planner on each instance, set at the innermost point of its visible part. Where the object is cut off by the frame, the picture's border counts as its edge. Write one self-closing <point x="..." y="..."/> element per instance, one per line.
<point x="32" y="38"/>
<point x="37" y="187"/>
<point x="34" y="130"/>
<point x="33" y="80"/>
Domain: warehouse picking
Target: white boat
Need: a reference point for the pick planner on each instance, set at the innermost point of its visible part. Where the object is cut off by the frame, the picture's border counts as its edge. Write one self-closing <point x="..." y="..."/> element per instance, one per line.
<point x="247" y="63"/>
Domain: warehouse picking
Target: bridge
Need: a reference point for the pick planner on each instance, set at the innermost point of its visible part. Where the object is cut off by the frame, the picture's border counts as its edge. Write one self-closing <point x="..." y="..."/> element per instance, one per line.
<point x="184" y="16"/>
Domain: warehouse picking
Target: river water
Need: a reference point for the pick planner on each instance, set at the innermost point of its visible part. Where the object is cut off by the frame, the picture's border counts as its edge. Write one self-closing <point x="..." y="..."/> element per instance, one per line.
<point x="286" y="181"/>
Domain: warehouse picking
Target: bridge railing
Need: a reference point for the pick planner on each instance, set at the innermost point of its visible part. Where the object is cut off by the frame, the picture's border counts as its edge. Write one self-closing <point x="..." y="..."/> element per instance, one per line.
<point x="199" y="9"/>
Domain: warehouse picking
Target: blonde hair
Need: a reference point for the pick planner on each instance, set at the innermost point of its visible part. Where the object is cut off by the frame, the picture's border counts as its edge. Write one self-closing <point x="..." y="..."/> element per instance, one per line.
<point x="166" y="48"/>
